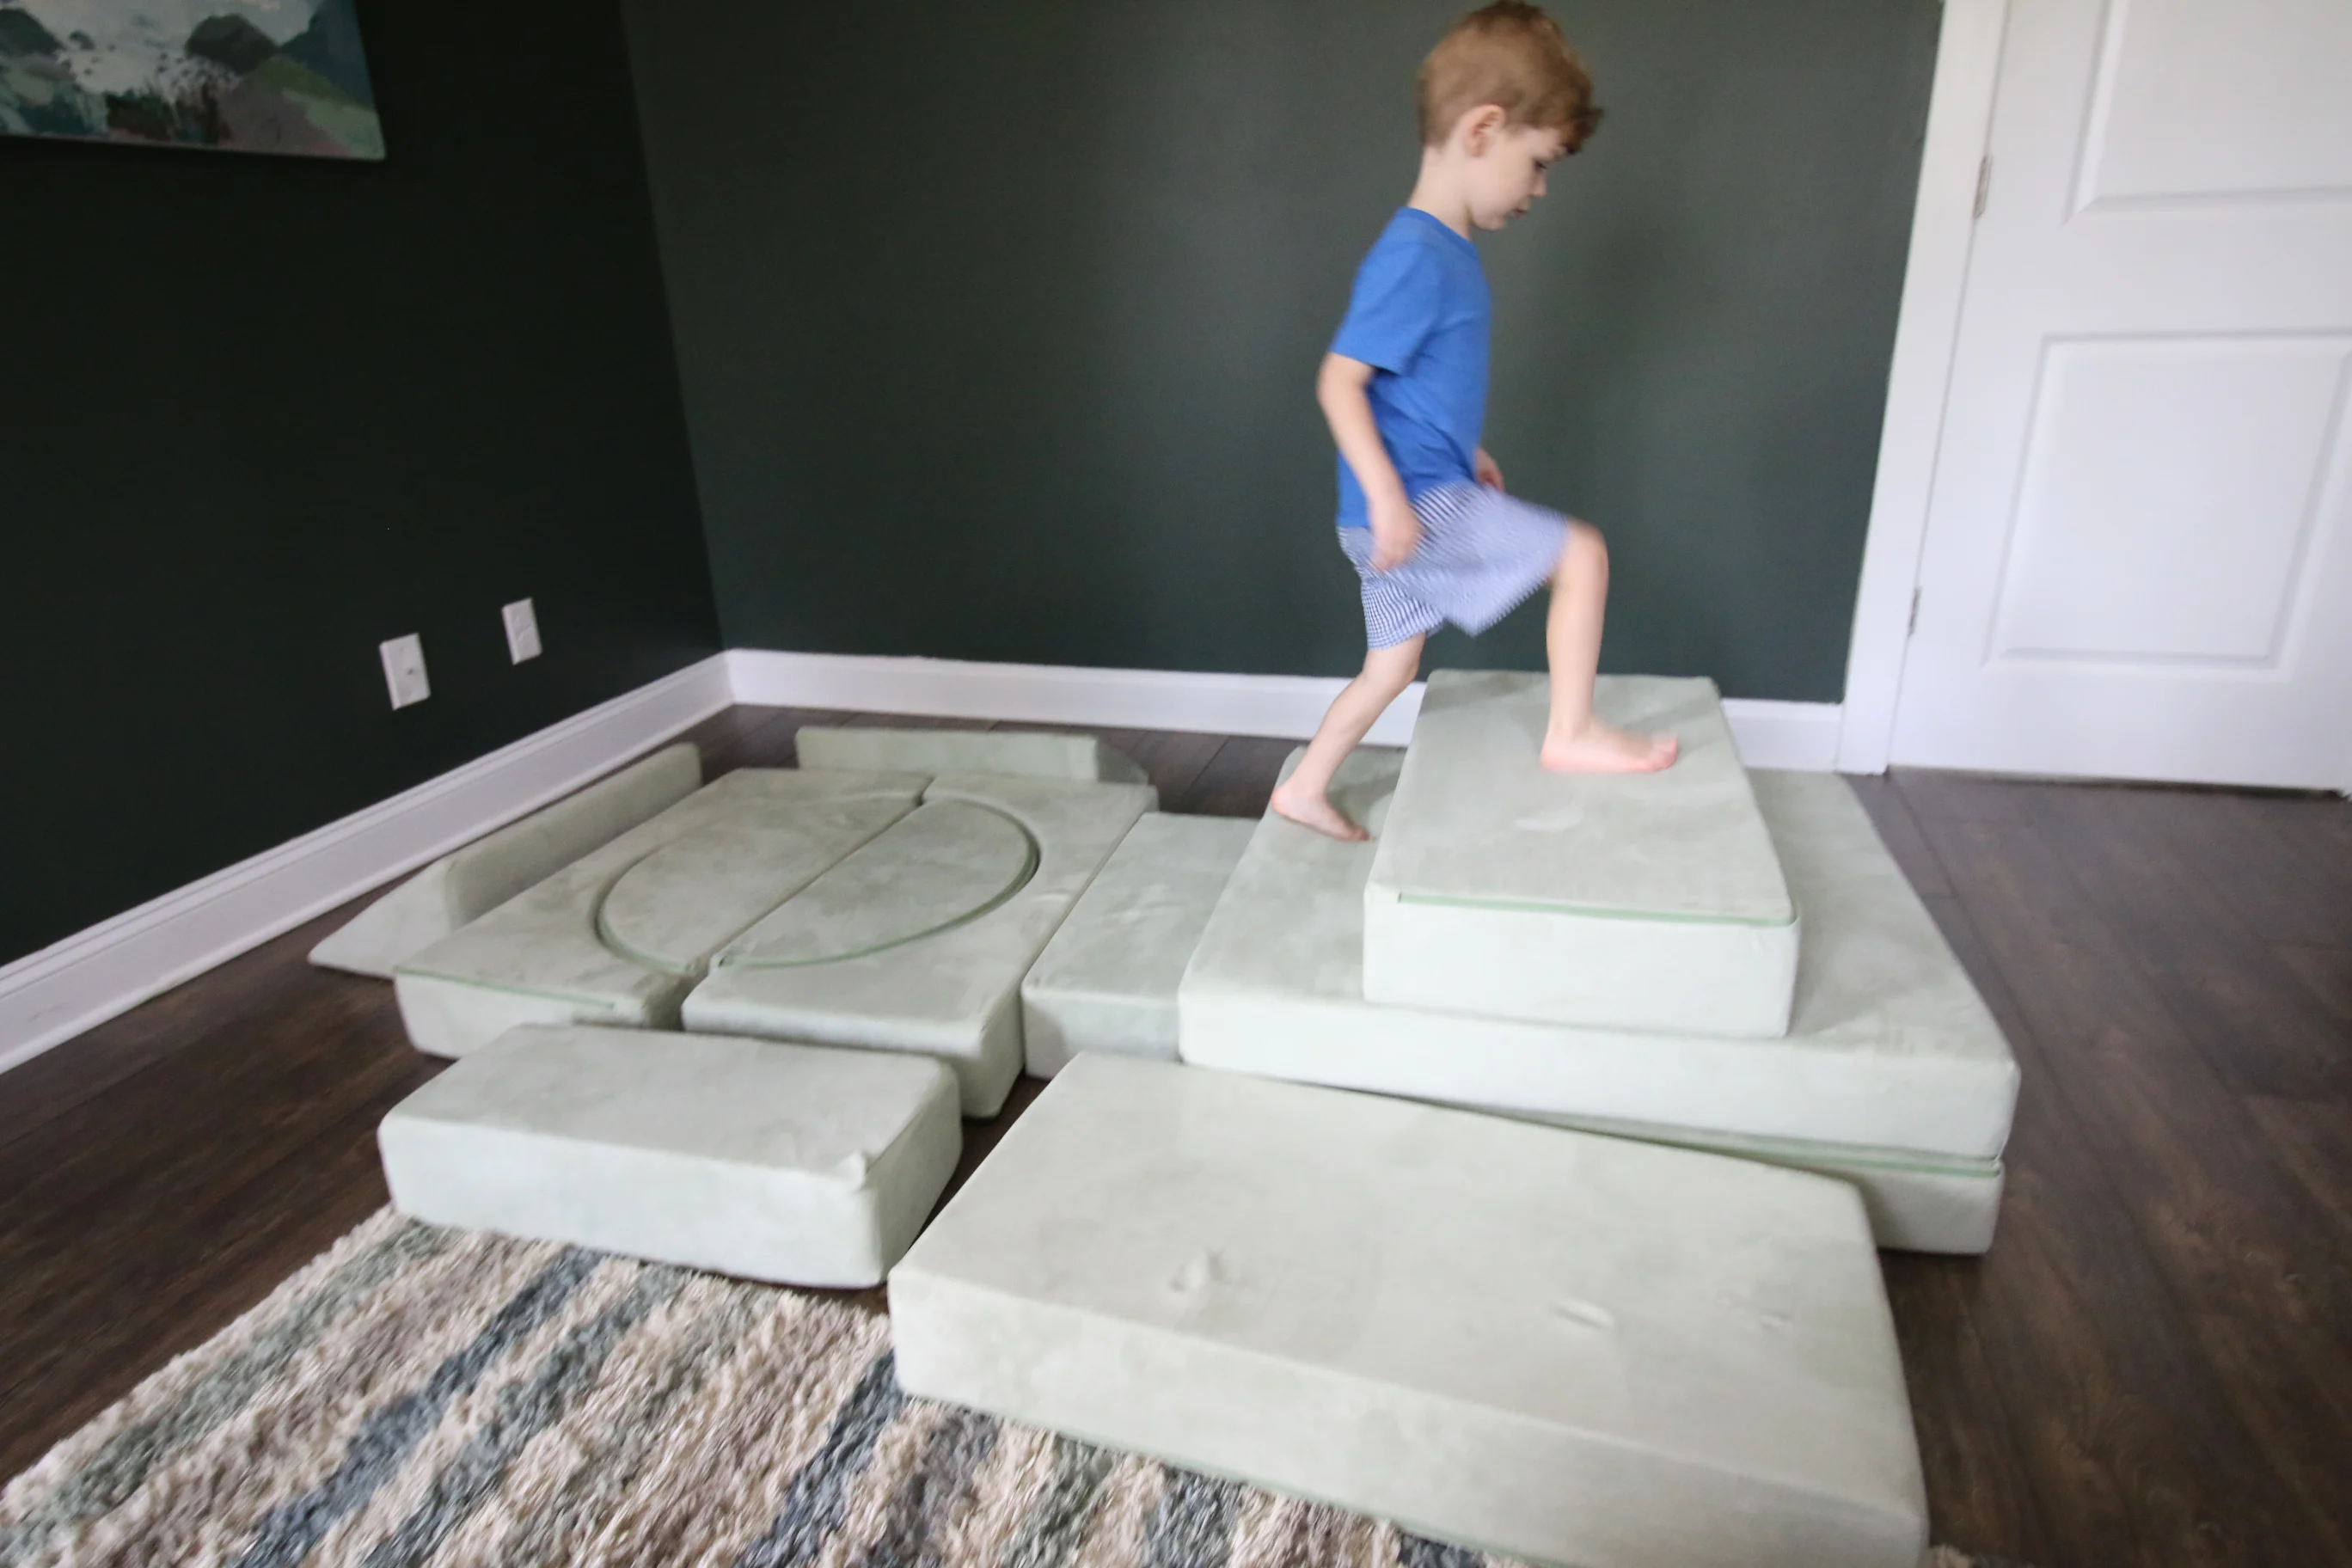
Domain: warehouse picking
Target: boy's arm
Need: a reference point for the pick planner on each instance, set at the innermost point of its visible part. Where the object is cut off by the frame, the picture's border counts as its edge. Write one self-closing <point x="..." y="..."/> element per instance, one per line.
<point x="1339" y="388"/>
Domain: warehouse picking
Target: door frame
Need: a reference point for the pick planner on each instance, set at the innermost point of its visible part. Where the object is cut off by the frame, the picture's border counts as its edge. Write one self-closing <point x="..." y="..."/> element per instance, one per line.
<point x="1927" y="335"/>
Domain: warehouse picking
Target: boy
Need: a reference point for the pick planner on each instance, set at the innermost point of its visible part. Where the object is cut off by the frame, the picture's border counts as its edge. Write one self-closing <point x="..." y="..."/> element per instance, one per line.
<point x="1422" y="510"/>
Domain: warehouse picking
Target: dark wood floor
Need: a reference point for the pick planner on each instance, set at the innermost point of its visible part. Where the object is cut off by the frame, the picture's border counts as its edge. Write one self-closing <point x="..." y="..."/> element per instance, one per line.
<point x="2154" y="1366"/>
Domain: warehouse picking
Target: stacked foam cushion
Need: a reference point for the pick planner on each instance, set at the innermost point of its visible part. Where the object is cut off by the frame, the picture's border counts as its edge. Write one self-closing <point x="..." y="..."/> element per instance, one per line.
<point x="1639" y="901"/>
<point x="1891" y="1075"/>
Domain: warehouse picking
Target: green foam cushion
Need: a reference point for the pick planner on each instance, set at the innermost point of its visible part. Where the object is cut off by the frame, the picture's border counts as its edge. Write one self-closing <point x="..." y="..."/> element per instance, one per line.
<point x="1562" y="1348"/>
<point x="1650" y="901"/>
<point x="1891" y="1046"/>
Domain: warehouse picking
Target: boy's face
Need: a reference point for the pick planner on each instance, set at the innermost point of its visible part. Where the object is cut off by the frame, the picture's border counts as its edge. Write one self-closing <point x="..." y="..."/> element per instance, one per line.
<point x="1506" y="167"/>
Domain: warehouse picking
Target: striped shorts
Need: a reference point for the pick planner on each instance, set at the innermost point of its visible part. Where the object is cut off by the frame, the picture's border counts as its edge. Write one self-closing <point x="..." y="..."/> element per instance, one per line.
<point x="1482" y="553"/>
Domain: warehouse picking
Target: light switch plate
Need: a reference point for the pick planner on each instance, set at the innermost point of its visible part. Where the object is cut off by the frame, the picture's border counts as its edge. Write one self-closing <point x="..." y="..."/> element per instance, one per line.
<point x="403" y="669"/>
<point x="523" y="630"/>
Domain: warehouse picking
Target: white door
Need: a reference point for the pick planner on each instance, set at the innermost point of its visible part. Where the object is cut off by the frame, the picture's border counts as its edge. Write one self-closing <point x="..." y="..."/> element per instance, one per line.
<point x="2138" y="554"/>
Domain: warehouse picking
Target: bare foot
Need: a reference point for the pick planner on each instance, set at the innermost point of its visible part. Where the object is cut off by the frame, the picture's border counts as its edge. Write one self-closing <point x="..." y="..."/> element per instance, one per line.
<point x="1316" y="812"/>
<point x="1598" y="748"/>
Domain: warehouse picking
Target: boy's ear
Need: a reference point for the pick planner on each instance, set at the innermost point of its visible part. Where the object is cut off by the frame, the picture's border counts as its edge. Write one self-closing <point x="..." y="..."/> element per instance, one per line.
<point x="1479" y="127"/>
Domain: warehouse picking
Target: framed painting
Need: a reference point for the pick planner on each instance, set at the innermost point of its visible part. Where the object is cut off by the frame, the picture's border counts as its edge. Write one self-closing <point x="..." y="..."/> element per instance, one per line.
<point x="246" y="76"/>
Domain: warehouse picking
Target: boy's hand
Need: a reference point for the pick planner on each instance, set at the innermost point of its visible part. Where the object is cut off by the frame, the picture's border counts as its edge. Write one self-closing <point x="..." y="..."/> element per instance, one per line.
<point x="1339" y="388"/>
<point x="1483" y="468"/>
<point x="1396" y="531"/>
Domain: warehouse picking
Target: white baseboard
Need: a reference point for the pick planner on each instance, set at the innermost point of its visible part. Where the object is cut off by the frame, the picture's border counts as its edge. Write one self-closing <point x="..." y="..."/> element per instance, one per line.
<point x="55" y="993"/>
<point x="1801" y="735"/>
<point x="1284" y="706"/>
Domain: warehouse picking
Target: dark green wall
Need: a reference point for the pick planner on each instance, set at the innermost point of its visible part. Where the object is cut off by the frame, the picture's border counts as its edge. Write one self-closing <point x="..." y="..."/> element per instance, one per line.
<point x="263" y="413"/>
<point x="998" y="323"/>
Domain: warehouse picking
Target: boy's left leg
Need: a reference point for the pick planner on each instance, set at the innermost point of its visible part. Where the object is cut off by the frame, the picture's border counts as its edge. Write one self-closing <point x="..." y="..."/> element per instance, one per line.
<point x="1304" y="798"/>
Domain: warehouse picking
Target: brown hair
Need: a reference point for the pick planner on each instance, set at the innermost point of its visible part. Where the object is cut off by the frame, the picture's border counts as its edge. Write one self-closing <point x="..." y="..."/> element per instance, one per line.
<point x="1511" y="55"/>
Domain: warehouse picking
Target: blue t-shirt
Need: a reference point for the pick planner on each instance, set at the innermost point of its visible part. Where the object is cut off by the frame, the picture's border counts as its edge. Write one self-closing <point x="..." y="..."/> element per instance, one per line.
<point x="1419" y="316"/>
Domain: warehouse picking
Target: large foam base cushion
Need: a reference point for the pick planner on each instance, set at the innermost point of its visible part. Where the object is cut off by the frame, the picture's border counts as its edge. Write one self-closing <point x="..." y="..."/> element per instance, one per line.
<point x="920" y="942"/>
<point x="1645" y="902"/>
<point x="1107" y="980"/>
<point x="622" y="934"/>
<point x="789" y="1164"/>
<point x="1564" y="1348"/>
<point x="1916" y="1203"/>
<point x="468" y="883"/>
<point x="1891" y="1048"/>
<point x="1030" y="753"/>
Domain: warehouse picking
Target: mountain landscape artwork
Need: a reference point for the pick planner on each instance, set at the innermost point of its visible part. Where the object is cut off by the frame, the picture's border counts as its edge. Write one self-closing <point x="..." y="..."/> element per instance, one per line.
<point x="246" y="76"/>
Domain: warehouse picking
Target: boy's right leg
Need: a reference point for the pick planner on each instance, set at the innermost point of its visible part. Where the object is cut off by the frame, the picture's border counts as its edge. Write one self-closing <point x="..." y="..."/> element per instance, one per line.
<point x="1576" y="740"/>
<point x="1304" y="798"/>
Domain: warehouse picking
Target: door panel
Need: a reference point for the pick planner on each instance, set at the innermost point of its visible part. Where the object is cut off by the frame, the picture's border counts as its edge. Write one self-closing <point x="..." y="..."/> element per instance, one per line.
<point x="2138" y="448"/>
<point x="2196" y="99"/>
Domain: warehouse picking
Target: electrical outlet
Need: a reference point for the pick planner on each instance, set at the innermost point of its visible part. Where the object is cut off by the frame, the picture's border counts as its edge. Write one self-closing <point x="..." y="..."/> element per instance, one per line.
<point x="523" y="630"/>
<point x="403" y="669"/>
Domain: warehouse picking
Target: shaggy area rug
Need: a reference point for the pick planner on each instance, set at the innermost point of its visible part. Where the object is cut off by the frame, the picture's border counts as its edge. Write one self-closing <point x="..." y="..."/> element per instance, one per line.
<point x="426" y="1396"/>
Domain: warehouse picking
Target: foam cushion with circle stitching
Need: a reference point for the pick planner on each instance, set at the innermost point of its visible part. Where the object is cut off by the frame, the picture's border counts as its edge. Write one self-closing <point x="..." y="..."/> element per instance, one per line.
<point x="619" y="936"/>
<point x="468" y="883"/>
<point x="954" y="993"/>
<point x="946" y="862"/>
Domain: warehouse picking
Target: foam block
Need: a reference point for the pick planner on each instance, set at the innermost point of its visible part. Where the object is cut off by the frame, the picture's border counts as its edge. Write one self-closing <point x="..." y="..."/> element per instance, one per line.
<point x="1563" y="1348"/>
<point x="1107" y="980"/>
<point x="1892" y="1048"/>
<point x="874" y="954"/>
<point x="1643" y="901"/>
<point x="1917" y="1201"/>
<point x="469" y="883"/>
<point x="787" y="1164"/>
<point x="1028" y="753"/>
<point x="621" y="935"/>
